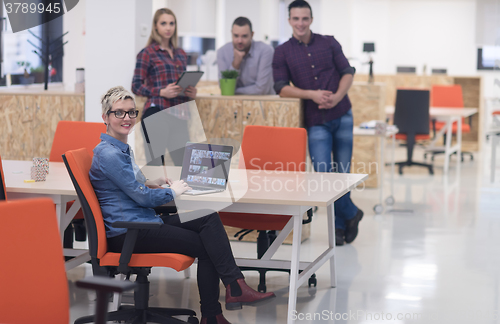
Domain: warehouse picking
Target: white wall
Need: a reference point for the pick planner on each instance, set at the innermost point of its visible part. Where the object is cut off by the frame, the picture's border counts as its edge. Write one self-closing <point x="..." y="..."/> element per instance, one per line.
<point x="74" y="50"/>
<point x="194" y="17"/>
<point x="113" y="39"/>
<point x="435" y="33"/>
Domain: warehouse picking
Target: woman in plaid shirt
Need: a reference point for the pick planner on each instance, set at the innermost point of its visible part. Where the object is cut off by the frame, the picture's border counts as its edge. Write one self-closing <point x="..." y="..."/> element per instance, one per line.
<point x="159" y="66"/>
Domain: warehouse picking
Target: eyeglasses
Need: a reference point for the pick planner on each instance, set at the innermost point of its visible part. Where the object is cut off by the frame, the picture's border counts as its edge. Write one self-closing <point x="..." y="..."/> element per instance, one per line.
<point x="120" y="114"/>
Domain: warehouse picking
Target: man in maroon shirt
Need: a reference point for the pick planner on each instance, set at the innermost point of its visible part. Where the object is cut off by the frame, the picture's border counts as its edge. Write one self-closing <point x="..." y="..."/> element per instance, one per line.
<point x="321" y="75"/>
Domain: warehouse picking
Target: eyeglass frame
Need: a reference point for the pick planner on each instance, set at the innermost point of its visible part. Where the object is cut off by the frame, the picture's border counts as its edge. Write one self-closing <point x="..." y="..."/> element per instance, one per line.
<point x="125" y="113"/>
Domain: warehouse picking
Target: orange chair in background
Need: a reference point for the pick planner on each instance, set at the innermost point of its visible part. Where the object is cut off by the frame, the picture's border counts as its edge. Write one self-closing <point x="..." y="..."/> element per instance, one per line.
<point x="448" y="96"/>
<point x="107" y="263"/>
<point x="3" y="191"/>
<point x="72" y="135"/>
<point x="268" y="148"/>
<point x="35" y="290"/>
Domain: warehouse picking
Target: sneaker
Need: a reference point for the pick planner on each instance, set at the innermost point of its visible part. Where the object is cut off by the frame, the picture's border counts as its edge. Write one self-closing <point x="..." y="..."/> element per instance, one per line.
<point x="339" y="237"/>
<point x="351" y="229"/>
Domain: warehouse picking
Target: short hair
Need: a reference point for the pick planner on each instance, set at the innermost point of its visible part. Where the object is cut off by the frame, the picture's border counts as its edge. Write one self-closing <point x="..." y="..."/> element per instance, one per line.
<point x="155" y="37"/>
<point x="243" y="21"/>
<point x="299" y="4"/>
<point x="113" y="95"/>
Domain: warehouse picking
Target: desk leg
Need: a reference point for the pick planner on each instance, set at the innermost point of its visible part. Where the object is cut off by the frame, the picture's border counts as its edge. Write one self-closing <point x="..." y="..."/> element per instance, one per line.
<point x="494" y="143"/>
<point x="294" y="266"/>
<point x="330" y="215"/>
<point x="447" y="148"/>
<point x="459" y="141"/>
<point x="381" y="171"/>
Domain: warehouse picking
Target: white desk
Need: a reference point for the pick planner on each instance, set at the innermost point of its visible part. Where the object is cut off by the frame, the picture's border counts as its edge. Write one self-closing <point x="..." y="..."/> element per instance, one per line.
<point x="57" y="186"/>
<point x="291" y="193"/>
<point x="357" y="131"/>
<point x="448" y="115"/>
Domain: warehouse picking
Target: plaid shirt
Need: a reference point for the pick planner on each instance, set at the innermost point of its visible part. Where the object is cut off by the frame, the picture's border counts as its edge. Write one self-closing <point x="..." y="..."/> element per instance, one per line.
<point x="318" y="65"/>
<point x="154" y="70"/>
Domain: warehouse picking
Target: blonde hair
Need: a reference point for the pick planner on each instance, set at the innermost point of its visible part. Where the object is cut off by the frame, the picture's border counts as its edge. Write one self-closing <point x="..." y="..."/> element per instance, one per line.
<point x="155" y="37"/>
<point x="113" y="95"/>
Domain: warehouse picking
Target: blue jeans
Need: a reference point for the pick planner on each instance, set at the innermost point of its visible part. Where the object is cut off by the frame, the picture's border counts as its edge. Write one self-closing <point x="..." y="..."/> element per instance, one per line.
<point x="335" y="137"/>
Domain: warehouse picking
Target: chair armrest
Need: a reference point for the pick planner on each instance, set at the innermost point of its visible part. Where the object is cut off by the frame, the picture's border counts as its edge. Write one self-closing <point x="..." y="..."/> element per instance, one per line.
<point x="105" y="284"/>
<point x="130" y="239"/>
<point x="136" y="225"/>
<point x="104" y="287"/>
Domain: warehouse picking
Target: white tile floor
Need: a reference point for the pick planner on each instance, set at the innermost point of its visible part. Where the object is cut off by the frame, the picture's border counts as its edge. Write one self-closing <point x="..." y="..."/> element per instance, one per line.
<point x="439" y="263"/>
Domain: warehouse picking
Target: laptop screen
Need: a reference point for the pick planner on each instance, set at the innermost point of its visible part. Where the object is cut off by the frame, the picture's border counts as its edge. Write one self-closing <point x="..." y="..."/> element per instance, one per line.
<point x="206" y="165"/>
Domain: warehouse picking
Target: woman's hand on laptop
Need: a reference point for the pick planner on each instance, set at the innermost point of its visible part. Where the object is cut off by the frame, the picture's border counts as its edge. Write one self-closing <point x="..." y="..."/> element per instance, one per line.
<point x="158" y="183"/>
<point x="179" y="186"/>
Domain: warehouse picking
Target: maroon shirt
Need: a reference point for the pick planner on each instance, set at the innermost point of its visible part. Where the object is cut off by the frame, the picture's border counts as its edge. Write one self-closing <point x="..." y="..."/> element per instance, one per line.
<point x="318" y="65"/>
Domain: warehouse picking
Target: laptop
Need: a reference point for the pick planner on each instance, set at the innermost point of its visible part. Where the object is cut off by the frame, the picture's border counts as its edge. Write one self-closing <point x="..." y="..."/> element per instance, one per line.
<point x="205" y="167"/>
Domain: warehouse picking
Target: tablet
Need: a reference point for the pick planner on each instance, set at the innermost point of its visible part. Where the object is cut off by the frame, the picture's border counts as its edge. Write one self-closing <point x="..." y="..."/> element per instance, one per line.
<point x="188" y="78"/>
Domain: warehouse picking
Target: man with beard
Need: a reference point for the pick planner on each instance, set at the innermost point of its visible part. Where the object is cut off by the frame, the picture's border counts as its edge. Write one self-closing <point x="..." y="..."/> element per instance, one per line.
<point x="250" y="58"/>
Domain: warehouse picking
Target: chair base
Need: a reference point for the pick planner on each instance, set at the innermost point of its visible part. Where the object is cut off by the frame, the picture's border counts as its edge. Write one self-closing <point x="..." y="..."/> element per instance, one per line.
<point x="130" y="314"/>
<point x="262" y="277"/>
<point x="401" y="165"/>
<point x="433" y="153"/>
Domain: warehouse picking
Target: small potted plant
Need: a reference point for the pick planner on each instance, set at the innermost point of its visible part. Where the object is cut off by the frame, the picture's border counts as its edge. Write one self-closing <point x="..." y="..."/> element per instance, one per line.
<point x="228" y="82"/>
<point x="38" y="73"/>
<point x="26" y="78"/>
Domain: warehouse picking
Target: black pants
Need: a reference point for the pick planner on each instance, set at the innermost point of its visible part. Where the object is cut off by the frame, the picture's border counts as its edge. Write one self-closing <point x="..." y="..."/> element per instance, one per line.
<point x="204" y="238"/>
<point x="174" y="135"/>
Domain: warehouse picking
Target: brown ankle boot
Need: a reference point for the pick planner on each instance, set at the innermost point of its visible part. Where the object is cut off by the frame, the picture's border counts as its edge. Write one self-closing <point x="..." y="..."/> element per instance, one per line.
<point x="220" y="320"/>
<point x="248" y="296"/>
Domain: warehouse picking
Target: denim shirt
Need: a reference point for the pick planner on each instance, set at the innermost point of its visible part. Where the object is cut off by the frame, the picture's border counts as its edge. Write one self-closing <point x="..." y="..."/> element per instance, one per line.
<point x="121" y="192"/>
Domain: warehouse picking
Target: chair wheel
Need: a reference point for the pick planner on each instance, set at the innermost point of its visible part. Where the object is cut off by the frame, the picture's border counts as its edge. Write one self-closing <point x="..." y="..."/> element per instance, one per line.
<point x="472" y="157"/>
<point x="432" y="157"/>
<point x="390" y="200"/>
<point x="378" y="209"/>
<point x="193" y="320"/>
<point x="431" y="171"/>
<point x="312" y="280"/>
<point x="425" y="156"/>
<point x="262" y="288"/>
<point x="400" y="169"/>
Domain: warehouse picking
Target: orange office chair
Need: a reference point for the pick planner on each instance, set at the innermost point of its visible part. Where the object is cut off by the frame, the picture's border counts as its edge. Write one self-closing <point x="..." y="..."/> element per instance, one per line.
<point x="3" y="191"/>
<point x="449" y="96"/>
<point x="268" y="148"/>
<point x="107" y="263"/>
<point x="44" y="297"/>
<point x="72" y="135"/>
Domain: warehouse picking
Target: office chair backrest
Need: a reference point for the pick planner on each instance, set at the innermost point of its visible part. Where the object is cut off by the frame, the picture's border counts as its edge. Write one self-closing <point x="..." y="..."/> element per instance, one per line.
<point x="412" y="111"/>
<point x="447" y="96"/>
<point x="273" y="148"/>
<point x="71" y="135"/>
<point x="33" y="284"/>
<point x="3" y="191"/>
<point x="78" y="163"/>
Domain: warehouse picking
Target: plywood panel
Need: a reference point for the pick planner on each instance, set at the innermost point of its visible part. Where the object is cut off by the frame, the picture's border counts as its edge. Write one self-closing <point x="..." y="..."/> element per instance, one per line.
<point x="16" y="140"/>
<point x="471" y="89"/>
<point x="368" y="103"/>
<point x="272" y="113"/>
<point x="30" y="122"/>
